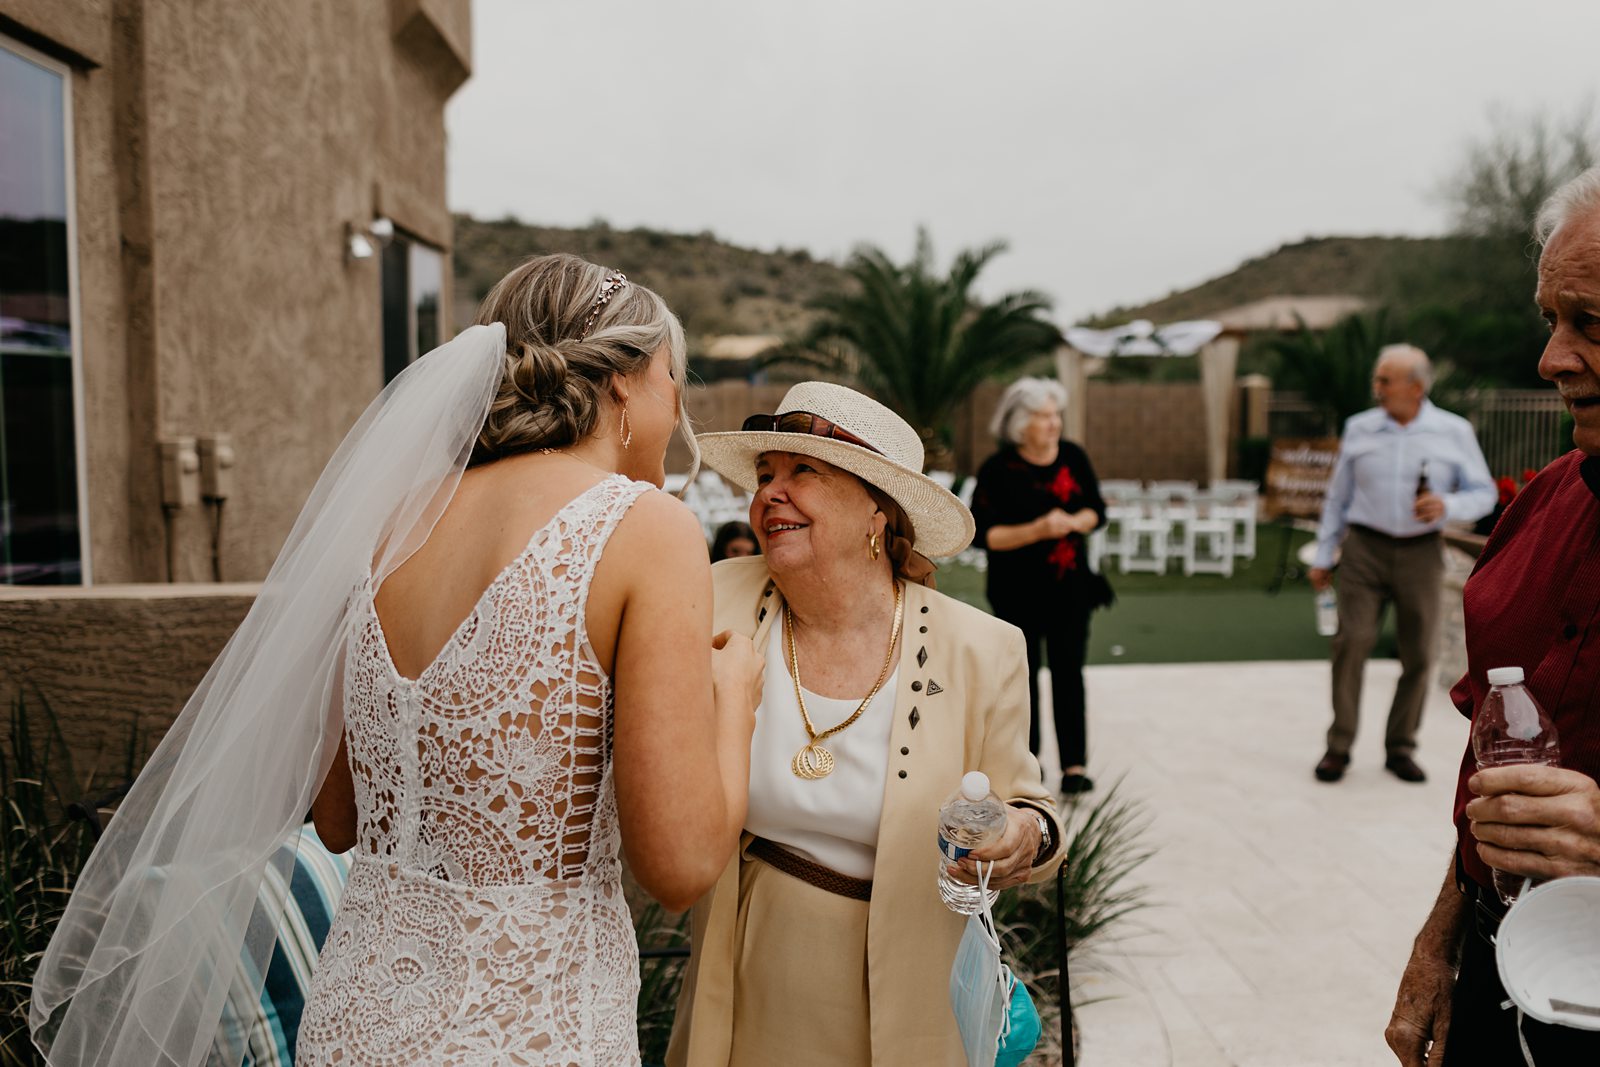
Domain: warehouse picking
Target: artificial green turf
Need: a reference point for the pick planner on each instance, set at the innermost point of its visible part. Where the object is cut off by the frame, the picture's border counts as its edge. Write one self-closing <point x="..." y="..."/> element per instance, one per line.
<point x="1169" y="618"/>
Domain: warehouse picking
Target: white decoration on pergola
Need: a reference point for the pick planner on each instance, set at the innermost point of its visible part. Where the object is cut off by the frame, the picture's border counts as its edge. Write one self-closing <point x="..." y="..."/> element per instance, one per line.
<point x="1141" y="337"/>
<point x="1219" y="359"/>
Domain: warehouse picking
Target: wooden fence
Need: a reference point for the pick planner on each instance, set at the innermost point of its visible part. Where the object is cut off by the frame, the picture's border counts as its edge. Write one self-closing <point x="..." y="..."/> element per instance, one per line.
<point x="1148" y="430"/>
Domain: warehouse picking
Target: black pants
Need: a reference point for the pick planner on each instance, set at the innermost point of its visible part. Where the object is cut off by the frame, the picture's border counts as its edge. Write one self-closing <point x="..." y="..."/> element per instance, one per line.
<point x="1065" y="636"/>
<point x="1482" y="1034"/>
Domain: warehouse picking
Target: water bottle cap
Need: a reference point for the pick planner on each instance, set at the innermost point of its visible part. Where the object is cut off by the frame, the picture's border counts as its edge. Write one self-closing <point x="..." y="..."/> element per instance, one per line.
<point x="974" y="785"/>
<point x="1505" y="675"/>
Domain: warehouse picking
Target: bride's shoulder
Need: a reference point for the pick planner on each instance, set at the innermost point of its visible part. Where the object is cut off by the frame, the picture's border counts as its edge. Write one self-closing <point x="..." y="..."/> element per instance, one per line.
<point x="658" y="522"/>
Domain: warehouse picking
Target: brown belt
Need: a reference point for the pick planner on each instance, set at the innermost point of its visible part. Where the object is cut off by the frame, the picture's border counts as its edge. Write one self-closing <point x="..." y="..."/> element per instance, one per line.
<point x="1430" y="535"/>
<point x="816" y="874"/>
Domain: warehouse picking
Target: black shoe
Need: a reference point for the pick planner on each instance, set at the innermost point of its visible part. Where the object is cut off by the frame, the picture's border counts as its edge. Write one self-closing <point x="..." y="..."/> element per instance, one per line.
<point x="1404" y="768"/>
<point x="1331" y="767"/>
<point x="1073" y="784"/>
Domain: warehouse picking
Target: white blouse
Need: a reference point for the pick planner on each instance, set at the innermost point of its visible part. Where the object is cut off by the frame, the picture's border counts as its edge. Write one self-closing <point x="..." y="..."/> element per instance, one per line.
<point x="834" y="820"/>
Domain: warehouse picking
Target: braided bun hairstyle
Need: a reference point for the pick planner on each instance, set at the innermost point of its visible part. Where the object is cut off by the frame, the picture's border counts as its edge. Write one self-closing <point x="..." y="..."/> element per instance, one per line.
<point x="557" y="381"/>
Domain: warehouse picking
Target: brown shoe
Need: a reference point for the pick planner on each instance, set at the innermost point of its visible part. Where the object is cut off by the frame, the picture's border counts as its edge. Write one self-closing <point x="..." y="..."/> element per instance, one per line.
<point x="1404" y="768"/>
<point x="1331" y="767"/>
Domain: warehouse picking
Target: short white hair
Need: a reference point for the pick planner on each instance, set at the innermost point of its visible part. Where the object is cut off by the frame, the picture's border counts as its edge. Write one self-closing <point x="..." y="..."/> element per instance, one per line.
<point x="1420" y="365"/>
<point x="1018" y="403"/>
<point x="1576" y="197"/>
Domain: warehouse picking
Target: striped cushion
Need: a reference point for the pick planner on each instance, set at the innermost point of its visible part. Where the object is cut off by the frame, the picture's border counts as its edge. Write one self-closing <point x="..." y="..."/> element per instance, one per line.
<point x="311" y="897"/>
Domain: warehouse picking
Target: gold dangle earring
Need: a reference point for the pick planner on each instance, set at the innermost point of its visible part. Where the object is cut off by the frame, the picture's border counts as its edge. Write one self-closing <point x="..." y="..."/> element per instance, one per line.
<point x="624" y="431"/>
<point x="872" y="544"/>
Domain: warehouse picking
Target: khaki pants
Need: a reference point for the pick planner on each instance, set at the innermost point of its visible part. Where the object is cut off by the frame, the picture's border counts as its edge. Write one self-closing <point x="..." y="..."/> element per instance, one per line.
<point x="1373" y="571"/>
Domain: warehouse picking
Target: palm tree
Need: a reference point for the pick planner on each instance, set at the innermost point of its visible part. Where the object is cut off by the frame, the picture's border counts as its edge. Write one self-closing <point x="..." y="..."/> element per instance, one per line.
<point x="1333" y="368"/>
<point x="921" y="342"/>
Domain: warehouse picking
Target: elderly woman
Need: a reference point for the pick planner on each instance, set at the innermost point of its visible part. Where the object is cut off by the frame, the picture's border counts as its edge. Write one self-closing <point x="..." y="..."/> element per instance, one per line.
<point x="825" y="941"/>
<point x="1036" y="501"/>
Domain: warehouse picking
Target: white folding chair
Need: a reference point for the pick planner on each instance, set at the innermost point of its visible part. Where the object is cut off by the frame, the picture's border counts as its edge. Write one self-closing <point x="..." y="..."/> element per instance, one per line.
<point x="1114" y="533"/>
<point x="1172" y="491"/>
<point x="1232" y="488"/>
<point x="1179" y="519"/>
<point x="965" y="493"/>
<point x="1119" y="491"/>
<point x="1208" y="546"/>
<point x="1097" y="547"/>
<point x="1145" y="545"/>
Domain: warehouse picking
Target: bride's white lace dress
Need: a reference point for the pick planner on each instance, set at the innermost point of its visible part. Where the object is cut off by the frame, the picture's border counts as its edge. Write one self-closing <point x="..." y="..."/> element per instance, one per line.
<point x="484" y="921"/>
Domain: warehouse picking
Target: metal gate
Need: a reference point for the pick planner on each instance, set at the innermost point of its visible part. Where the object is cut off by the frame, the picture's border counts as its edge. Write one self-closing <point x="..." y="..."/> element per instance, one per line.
<point x="1518" y="429"/>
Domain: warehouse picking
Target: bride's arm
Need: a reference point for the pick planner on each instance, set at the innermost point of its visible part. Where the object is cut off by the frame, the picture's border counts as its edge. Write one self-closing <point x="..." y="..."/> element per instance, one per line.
<point x="334" y="809"/>
<point x="681" y="745"/>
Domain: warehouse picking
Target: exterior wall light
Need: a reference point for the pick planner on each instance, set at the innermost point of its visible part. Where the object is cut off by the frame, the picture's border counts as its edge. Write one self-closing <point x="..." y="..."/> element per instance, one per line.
<point x="356" y="244"/>
<point x="363" y="242"/>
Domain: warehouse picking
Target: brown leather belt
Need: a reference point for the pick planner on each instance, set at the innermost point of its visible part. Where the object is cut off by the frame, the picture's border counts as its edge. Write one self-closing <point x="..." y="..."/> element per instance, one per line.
<point x="776" y="856"/>
<point x="1430" y="535"/>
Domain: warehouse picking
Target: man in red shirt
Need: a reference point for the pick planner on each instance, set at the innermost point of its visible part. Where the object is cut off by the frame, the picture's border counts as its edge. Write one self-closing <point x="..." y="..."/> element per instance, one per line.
<point x="1533" y="601"/>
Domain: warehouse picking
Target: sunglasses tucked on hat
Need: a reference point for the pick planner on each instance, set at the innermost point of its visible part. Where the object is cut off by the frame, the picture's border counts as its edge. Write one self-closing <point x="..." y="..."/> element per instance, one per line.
<point x="855" y="433"/>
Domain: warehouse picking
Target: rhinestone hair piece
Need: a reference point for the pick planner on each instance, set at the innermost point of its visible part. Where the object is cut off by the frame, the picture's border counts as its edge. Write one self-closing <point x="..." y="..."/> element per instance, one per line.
<point x="609" y="288"/>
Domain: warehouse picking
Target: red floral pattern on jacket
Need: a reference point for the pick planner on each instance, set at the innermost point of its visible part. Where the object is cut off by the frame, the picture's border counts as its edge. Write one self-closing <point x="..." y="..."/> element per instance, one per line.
<point x="1065" y="486"/>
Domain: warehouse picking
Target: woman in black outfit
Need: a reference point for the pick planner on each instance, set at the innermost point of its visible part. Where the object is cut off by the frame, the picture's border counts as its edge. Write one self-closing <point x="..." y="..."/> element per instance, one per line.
<point x="1036" y="500"/>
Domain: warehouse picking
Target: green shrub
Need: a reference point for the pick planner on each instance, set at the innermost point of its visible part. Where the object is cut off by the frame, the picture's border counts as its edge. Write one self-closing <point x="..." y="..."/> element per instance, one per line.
<point x="659" y="979"/>
<point x="42" y="852"/>
<point x="1104" y="848"/>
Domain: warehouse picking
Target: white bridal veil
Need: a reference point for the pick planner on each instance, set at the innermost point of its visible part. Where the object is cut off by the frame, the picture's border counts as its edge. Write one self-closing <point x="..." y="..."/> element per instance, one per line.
<point x="166" y="930"/>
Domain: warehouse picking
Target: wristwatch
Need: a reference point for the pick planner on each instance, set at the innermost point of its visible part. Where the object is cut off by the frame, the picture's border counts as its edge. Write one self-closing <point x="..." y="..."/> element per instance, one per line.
<point x="1046" y="841"/>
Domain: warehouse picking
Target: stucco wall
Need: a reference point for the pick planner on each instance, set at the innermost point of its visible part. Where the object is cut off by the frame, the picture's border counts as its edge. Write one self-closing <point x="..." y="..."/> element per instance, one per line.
<point x="114" y="664"/>
<point x="220" y="151"/>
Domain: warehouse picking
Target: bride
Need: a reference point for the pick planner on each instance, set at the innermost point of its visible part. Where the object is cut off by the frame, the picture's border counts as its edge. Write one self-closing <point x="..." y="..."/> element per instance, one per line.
<point x="482" y="661"/>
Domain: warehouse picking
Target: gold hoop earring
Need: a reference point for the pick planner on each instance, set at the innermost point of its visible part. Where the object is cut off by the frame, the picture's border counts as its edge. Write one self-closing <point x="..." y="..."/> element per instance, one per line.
<point x="624" y="431"/>
<point x="872" y="544"/>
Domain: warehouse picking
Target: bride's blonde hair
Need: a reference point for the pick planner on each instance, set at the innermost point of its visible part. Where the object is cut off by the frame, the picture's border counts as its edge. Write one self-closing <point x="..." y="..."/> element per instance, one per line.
<point x="565" y="338"/>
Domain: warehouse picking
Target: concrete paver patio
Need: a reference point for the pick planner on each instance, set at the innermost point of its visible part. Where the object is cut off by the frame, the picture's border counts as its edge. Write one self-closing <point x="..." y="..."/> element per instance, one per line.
<point x="1284" y="908"/>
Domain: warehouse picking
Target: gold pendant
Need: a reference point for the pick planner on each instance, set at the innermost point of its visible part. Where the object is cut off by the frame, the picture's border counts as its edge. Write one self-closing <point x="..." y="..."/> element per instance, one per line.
<point x="812" y="762"/>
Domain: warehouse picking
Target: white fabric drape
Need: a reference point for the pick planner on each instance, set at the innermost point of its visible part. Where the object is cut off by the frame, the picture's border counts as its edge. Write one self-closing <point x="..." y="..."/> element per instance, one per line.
<point x="166" y="935"/>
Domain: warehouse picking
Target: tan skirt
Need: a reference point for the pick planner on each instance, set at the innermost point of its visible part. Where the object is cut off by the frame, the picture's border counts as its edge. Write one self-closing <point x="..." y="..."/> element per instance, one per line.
<point x="800" y="974"/>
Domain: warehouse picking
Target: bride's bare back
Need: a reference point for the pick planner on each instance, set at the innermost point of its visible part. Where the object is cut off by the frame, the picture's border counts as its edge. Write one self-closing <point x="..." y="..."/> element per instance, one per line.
<point x="488" y="523"/>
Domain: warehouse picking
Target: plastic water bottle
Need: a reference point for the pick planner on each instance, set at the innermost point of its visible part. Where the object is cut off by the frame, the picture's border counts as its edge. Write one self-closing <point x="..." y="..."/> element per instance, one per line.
<point x="972" y="818"/>
<point x="1327" y="613"/>
<point x="1509" y="728"/>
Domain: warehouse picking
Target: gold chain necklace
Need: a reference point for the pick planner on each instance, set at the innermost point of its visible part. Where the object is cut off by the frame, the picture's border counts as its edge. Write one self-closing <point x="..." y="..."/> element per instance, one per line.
<point x="813" y="761"/>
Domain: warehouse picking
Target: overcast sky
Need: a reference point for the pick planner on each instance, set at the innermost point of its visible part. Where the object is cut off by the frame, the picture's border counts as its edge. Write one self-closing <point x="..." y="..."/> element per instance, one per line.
<point x="1123" y="148"/>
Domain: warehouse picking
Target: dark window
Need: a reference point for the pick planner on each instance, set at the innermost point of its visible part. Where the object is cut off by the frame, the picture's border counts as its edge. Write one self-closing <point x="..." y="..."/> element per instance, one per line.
<point x="40" y="541"/>
<point x="413" y="289"/>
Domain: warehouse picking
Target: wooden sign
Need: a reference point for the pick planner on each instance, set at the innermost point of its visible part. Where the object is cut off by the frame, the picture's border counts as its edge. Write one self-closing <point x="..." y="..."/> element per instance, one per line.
<point x="1298" y="472"/>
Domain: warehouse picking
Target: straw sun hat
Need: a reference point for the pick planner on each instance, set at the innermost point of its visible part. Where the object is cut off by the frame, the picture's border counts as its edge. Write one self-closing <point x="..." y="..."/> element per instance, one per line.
<point x="888" y="458"/>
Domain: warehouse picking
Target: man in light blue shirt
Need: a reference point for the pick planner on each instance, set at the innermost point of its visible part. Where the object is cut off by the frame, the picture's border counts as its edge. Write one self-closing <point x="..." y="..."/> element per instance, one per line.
<point x="1405" y="467"/>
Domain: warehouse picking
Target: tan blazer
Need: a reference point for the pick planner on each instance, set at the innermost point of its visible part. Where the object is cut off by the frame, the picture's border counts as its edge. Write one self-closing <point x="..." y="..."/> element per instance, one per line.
<point x="961" y="705"/>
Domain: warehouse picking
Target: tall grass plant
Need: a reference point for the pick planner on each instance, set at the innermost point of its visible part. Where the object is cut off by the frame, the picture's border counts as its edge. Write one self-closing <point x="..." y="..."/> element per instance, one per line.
<point x="42" y="851"/>
<point x="1104" y="849"/>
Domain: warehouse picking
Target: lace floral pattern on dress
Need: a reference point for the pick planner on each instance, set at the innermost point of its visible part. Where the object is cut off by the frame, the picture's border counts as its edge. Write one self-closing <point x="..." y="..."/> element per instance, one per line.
<point x="484" y="920"/>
